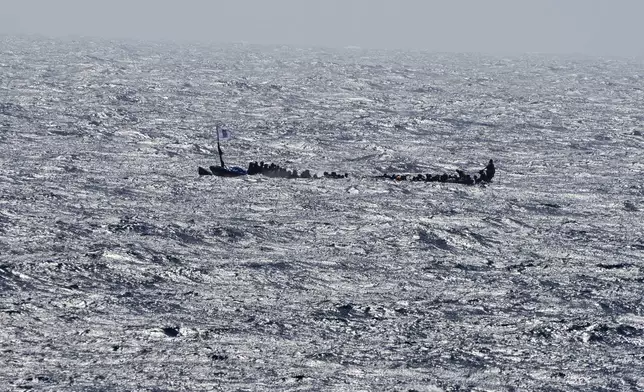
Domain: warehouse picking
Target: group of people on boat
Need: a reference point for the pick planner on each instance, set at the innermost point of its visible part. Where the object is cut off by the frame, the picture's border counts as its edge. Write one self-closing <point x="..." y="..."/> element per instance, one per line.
<point x="272" y="170"/>
<point x="484" y="175"/>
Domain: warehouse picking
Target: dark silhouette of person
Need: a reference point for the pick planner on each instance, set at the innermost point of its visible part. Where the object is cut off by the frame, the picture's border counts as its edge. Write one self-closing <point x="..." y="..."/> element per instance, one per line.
<point x="482" y="176"/>
<point x="490" y="170"/>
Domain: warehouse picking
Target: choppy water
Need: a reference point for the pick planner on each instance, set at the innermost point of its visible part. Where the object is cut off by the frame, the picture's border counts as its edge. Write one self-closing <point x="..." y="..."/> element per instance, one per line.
<point x="121" y="269"/>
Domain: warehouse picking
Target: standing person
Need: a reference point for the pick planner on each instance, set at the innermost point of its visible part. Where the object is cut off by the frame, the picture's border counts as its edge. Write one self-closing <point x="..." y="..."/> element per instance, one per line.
<point x="490" y="170"/>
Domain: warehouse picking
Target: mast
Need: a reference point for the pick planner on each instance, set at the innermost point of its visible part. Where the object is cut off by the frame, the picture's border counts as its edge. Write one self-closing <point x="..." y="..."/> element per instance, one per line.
<point x="221" y="158"/>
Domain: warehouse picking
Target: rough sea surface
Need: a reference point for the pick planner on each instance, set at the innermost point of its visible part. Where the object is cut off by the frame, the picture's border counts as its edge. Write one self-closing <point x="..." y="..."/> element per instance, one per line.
<point x="123" y="270"/>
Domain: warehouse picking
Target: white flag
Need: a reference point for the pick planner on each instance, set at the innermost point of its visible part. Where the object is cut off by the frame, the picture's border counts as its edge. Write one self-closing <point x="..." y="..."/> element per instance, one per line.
<point x="223" y="133"/>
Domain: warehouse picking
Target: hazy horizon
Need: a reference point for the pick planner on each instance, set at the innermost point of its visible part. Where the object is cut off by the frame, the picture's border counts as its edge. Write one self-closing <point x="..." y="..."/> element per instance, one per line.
<point x="590" y="27"/>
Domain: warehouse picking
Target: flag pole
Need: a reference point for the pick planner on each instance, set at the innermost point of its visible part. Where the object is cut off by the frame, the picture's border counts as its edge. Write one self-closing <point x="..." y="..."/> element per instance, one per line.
<point x="221" y="158"/>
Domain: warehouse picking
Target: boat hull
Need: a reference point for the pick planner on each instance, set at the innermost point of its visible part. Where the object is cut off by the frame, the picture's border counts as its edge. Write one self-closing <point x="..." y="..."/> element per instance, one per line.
<point x="233" y="171"/>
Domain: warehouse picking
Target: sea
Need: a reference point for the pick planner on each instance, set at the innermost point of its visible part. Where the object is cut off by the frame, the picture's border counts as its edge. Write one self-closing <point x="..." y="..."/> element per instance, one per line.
<point x="122" y="269"/>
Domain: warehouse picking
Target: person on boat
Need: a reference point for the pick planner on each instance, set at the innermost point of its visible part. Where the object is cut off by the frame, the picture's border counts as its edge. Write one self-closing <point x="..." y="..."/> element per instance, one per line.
<point x="482" y="177"/>
<point x="490" y="170"/>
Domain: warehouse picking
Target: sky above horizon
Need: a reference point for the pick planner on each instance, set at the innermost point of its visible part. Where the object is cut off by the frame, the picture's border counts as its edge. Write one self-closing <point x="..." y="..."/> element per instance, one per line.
<point x="593" y="27"/>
